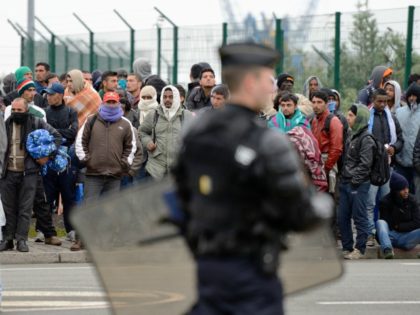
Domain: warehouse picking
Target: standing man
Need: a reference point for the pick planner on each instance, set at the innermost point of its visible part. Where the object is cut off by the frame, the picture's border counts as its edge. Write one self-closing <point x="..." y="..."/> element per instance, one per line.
<point x="106" y="143"/>
<point x="355" y="183"/>
<point x="328" y="130"/>
<point x="384" y="126"/>
<point x="161" y="132"/>
<point x="134" y="85"/>
<point x="42" y="70"/>
<point x="64" y="120"/>
<point x="20" y="174"/>
<point x="200" y="96"/>
<point x="409" y="118"/>
<point x="289" y="115"/>
<point x="195" y="72"/>
<point x="285" y="83"/>
<point x="109" y="83"/>
<point x="234" y="231"/>
<point x="87" y="76"/>
<point x="219" y="98"/>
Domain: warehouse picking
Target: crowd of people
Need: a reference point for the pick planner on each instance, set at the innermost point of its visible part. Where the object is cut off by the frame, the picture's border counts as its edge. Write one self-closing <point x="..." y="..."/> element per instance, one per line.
<point x="122" y="128"/>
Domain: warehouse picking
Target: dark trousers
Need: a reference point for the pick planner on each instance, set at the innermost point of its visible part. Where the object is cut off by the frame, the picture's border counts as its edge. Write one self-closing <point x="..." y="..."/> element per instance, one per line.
<point x="61" y="183"/>
<point x="236" y="287"/>
<point x="97" y="186"/>
<point x="42" y="210"/>
<point x="353" y="205"/>
<point x="17" y="196"/>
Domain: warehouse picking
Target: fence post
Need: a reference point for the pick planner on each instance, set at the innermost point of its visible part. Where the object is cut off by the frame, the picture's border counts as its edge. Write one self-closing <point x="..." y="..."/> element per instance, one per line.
<point x="409" y="44"/>
<point x="132" y="39"/>
<point x="92" y="63"/>
<point x="225" y="34"/>
<point x="22" y="43"/>
<point x="279" y="44"/>
<point x="337" y="50"/>
<point x="159" y="50"/>
<point x="81" y="63"/>
<point x="175" y="73"/>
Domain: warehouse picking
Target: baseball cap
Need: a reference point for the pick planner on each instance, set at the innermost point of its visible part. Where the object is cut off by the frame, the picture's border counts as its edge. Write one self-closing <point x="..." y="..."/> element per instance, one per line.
<point x="55" y="88"/>
<point x="111" y="96"/>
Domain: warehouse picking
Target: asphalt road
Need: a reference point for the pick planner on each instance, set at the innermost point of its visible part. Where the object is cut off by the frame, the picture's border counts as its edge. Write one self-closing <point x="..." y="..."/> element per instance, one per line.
<point x="368" y="287"/>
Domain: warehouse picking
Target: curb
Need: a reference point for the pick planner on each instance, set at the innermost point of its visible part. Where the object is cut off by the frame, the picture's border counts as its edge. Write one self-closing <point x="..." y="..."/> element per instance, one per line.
<point x="7" y="258"/>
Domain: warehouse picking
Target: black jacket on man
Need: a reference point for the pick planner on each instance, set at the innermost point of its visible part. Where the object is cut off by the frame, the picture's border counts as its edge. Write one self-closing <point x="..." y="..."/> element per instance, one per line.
<point x="358" y="160"/>
<point x="402" y="215"/>
<point x="32" y="123"/>
<point x="197" y="99"/>
<point x="64" y="120"/>
<point x="382" y="133"/>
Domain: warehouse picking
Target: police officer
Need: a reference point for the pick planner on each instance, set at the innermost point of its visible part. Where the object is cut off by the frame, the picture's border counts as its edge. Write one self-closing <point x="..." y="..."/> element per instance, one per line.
<point x="242" y="188"/>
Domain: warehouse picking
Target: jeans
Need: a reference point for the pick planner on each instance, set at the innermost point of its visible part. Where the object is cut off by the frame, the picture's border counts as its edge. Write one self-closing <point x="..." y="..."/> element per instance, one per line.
<point x="17" y="196"/>
<point x="408" y="173"/>
<point x="353" y="205"/>
<point x="235" y="286"/>
<point x="96" y="186"/>
<point x="389" y="239"/>
<point x="376" y="193"/>
<point x="64" y="184"/>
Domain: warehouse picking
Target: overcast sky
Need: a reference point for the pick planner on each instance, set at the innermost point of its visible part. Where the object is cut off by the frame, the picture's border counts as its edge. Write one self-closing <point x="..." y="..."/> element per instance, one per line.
<point x="99" y="16"/>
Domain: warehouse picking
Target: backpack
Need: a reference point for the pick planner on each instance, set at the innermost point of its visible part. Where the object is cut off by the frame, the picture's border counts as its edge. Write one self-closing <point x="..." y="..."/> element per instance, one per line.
<point x="381" y="171"/>
<point x="346" y="134"/>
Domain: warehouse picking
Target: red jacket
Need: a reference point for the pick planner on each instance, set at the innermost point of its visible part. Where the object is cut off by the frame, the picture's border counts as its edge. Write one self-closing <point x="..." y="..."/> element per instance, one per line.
<point x="330" y="143"/>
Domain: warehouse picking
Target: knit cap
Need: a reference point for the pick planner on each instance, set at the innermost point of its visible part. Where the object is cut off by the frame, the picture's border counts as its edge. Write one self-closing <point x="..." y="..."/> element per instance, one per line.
<point x="23" y="85"/>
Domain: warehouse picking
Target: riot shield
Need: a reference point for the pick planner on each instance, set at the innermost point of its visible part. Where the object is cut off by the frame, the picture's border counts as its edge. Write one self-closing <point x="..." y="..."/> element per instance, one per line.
<point x="146" y="267"/>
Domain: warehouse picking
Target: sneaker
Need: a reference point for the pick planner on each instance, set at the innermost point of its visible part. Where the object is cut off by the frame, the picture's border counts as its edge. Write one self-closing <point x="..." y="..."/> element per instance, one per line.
<point x="388" y="253"/>
<point x="371" y="242"/>
<point x="354" y="255"/>
<point x="345" y="253"/>
<point x="6" y="245"/>
<point x="39" y="237"/>
<point x="21" y="246"/>
<point x="71" y="236"/>
<point x="53" y="240"/>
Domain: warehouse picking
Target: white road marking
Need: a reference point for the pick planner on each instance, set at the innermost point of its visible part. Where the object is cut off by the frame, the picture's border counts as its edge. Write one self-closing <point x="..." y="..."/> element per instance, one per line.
<point x="411" y="264"/>
<point x="52" y="303"/>
<point x="369" y="303"/>
<point x="42" y="268"/>
<point x="53" y="294"/>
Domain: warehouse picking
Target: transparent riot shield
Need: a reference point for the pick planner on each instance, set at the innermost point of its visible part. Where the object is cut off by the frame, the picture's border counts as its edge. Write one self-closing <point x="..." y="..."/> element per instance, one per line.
<point x="146" y="267"/>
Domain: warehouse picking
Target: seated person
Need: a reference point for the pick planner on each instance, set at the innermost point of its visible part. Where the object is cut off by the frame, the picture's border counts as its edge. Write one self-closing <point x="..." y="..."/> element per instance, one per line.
<point x="399" y="224"/>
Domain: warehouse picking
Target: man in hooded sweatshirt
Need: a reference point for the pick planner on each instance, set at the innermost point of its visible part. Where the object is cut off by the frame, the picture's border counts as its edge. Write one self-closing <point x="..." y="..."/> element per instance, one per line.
<point x="355" y="183"/>
<point x="312" y="84"/>
<point x="143" y="68"/>
<point x="380" y="75"/>
<point x="399" y="223"/>
<point x="80" y="96"/>
<point x="409" y="119"/>
<point x="393" y="89"/>
<point x="161" y="132"/>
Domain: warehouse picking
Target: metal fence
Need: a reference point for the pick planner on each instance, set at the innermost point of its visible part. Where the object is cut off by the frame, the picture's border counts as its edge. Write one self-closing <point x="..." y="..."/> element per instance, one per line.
<point x="329" y="46"/>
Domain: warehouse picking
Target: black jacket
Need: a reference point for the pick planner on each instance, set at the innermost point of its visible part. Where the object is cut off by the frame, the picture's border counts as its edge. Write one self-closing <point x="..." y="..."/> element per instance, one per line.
<point x="33" y="123"/>
<point x="358" y="160"/>
<point x="382" y="133"/>
<point x="416" y="154"/>
<point x="401" y="215"/>
<point x="39" y="100"/>
<point x="64" y="120"/>
<point x="237" y="179"/>
<point x="197" y="99"/>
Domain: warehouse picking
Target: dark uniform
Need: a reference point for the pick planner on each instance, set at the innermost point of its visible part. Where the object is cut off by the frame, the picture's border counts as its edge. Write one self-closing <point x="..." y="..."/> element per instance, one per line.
<point x="242" y="188"/>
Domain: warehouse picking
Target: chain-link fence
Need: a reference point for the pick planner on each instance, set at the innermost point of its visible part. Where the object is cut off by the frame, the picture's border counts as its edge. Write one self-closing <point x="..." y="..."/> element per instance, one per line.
<point x="341" y="49"/>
